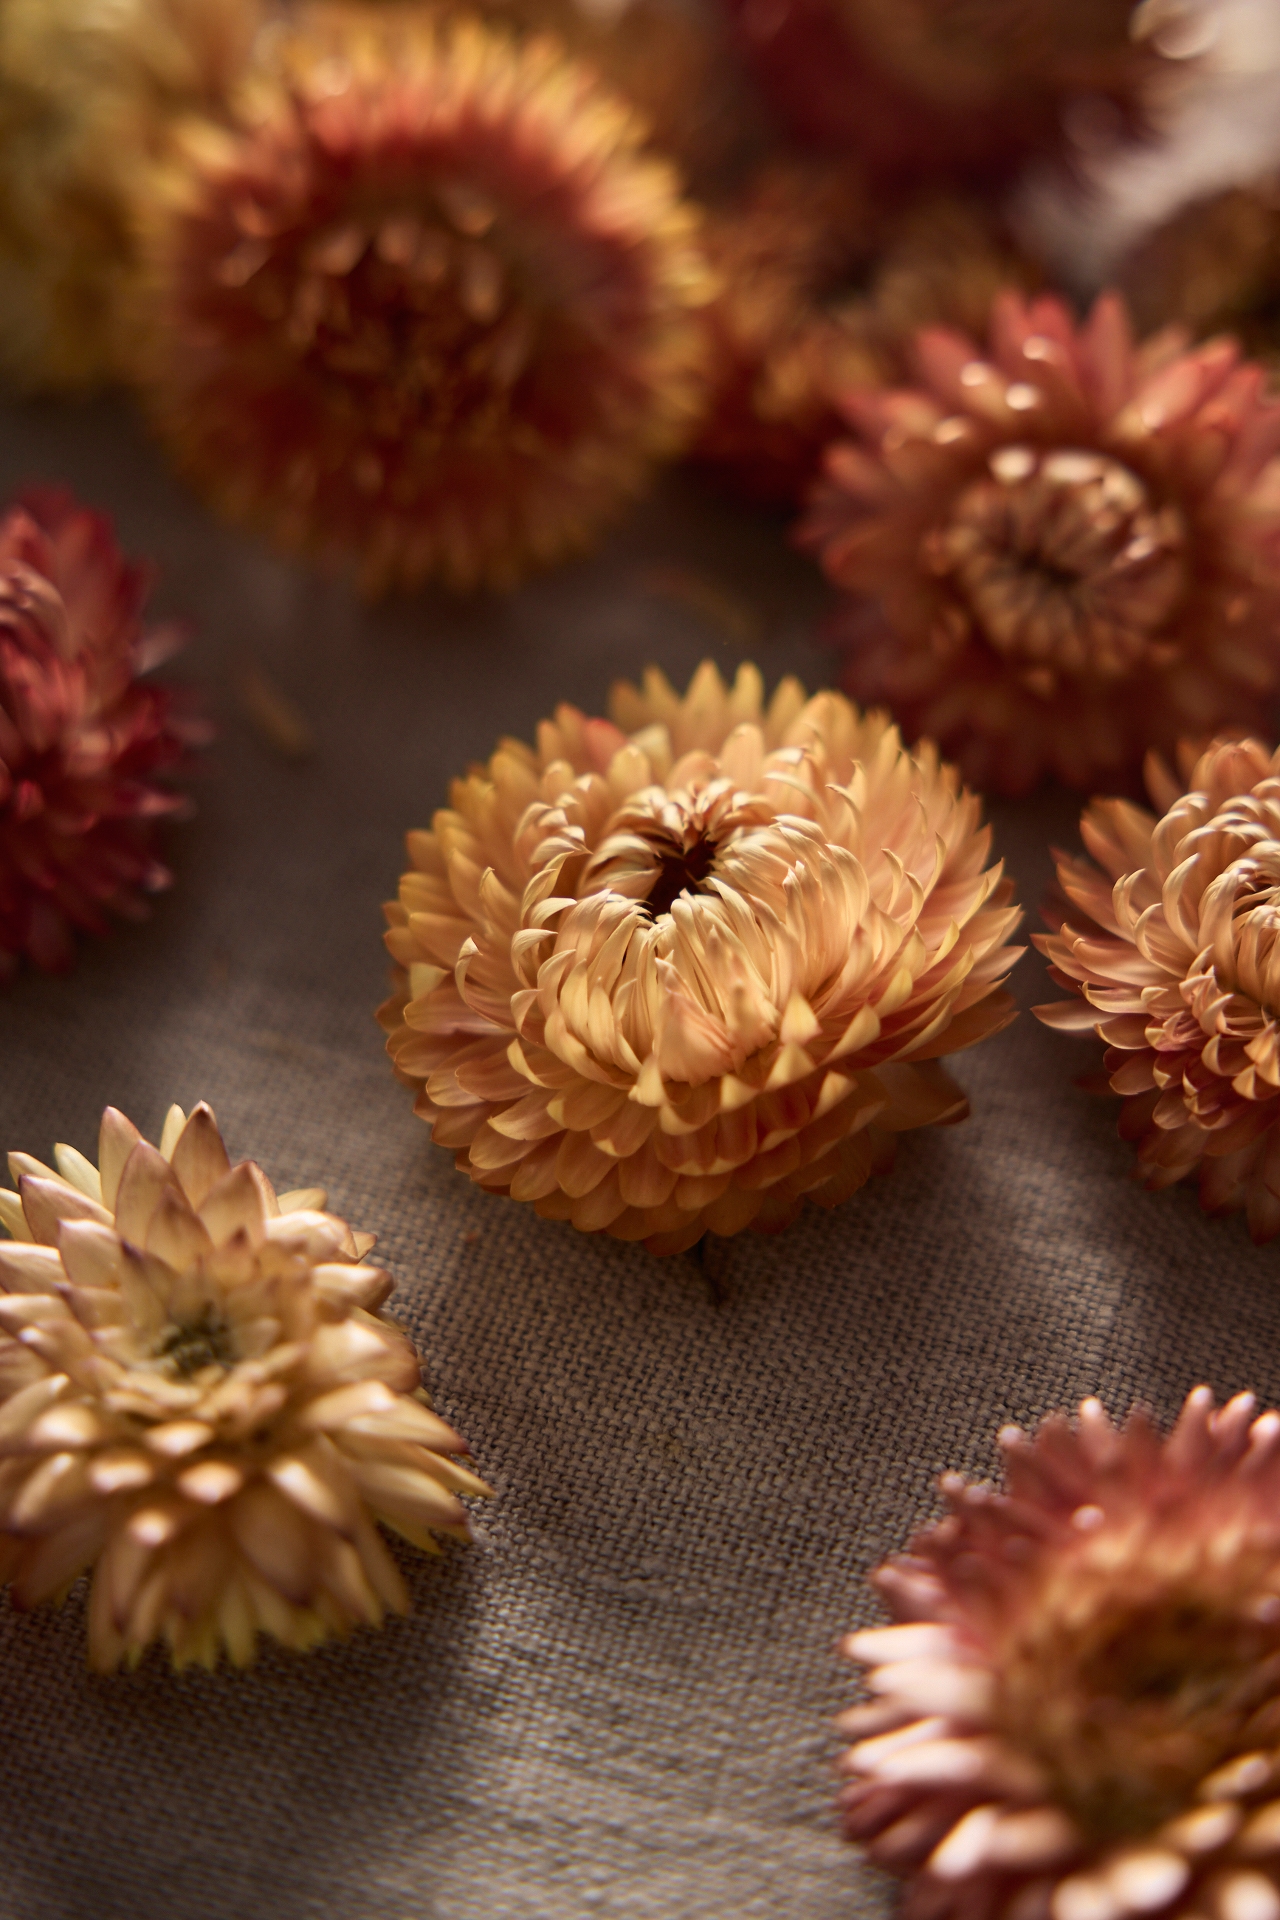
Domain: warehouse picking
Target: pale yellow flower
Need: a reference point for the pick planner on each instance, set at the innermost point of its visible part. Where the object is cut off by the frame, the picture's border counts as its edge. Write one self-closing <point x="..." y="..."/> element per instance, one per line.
<point x="202" y="1401"/>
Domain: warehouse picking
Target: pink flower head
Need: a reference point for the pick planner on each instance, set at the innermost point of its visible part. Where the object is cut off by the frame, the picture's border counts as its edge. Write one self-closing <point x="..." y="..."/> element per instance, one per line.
<point x="1078" y="1716"/>
<point x="1066" y="547"/>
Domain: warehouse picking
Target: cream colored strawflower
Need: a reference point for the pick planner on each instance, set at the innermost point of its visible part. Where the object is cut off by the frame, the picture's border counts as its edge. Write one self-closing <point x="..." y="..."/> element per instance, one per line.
<point x="1171" y="951"/>
<point x="676" y="971"/>
<point x="201" y="1400"/>
<point x="1078" y="1716"/>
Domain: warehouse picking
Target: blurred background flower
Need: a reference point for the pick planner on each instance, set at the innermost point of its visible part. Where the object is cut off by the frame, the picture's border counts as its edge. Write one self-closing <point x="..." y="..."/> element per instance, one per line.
<point x="427" y="305"/>
<point x="438" y="286"/>
<point x="88" y="92"/>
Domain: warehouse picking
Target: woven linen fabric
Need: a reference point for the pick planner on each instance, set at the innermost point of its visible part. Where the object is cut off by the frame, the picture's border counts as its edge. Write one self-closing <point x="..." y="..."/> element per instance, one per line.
<point x="618" y="1701"/>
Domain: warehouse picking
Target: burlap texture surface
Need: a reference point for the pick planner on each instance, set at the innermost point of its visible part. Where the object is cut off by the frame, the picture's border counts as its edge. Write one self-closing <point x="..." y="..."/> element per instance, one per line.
<point x="619" y="1700"/>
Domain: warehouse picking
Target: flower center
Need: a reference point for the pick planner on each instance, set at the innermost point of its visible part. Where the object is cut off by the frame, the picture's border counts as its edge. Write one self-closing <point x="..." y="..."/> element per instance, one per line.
<point x="681" y="869"/>
<point x="1128" y="1710"/>
<point x="409" y="320"/>
<point x="189" y="1346"/>
<point x="662" y="846"/>
<point x="1064" y="563"/>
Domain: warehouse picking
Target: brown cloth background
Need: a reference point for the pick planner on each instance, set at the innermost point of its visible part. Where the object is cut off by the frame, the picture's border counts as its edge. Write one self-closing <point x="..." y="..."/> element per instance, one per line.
<point x="618" y="1701"/>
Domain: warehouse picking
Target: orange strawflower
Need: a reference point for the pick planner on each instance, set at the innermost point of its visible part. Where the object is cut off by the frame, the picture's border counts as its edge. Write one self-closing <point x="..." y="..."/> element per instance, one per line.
<point x="678" y="971"/>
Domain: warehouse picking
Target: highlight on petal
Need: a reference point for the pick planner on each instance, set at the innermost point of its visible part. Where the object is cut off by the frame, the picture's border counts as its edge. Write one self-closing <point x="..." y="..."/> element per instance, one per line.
<point x="203" y="1414"/>
<point x="679" y="973"/>
<point x="1171" y="953"/>
<point x="1077" y="1715"/>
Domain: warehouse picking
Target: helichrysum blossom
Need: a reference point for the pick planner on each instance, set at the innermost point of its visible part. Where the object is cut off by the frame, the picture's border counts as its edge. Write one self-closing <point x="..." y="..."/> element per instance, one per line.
<point x="89" y="93"/>
<point x="1215" y="263"/>
<point x="1078" y="1717"/>
<point x="795" y="237"/>
<point x="1067" y="548"/>
<point x="817" y="296"/>
<point x="202" y="1403"/>
<point x="431" y="307"/>
<point x="677" y="971"/>
<point x="84" y="742"/>
<point x="947" y="87"/>
<point x="1171" y="946"/>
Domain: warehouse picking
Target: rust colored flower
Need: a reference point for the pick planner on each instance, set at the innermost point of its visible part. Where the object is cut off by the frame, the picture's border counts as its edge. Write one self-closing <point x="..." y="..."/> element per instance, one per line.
<point x="202" y="1401"/>
<point x="84" y="742"/>
<point x="779" y="352"/>
<point x="1066" y="547"/>
<point x="818" y="296"/>
<point x="1172" y="950"/>
<point x="1078" y="1717"/>
<point x="677" y="971"/>
<point x="1215" y="265"/>
<point x="88" y="97"/>
<point x="432" y="307"/>
<point x="941" y="88"/>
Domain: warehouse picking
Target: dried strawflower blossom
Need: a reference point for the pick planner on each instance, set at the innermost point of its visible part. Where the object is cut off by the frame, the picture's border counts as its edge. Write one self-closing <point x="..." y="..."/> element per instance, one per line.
<point x="89" y="93"/>
<point x="1067" y="547"/>
<point x="431" y="307"/>
<point x="675" y="64"/>
<point x="818" y="296"/>
<point x="798" y="235"/>
<point x="1079" y="1716"/>
<point x="1171" y="946"/>
<point x="84" y="742"/>
<point x="1215" y="264"/>
<point x="944" y="87"/>
<point x="203" y="1403"/>
<point x="678" y="971"/>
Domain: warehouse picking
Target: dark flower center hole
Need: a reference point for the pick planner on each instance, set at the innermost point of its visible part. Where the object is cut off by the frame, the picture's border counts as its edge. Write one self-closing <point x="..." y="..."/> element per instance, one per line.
<point x="681" y="870"/>
<point x="194" y="1344"/>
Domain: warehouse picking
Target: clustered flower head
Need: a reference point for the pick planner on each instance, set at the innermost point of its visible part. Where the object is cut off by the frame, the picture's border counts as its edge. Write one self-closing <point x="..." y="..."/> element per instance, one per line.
<point x="89" y="94"/>
<point x="677" y="971"/>
<point x="1066" y="547"/>
<point x="959" y="86"/>
<point x="1215" y="264"/>
<point x="778" y="354"/>
<point x="430" y="304"/>
<point x="202" y="1402"/>
<point x="1078" y="1717"/>
<point x="1172" y="949"/>
<point x="84" y="743"/>
<point x="818" y="297"/>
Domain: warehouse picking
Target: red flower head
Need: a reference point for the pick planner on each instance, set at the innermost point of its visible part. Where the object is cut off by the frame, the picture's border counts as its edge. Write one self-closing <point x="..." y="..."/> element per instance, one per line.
<point x="1073" y="544"/>
<point x="1079" y="1718"/>
<point x="81" y="741"/>
<point x="950" y="87"/>
<point x="428" y="306"/>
